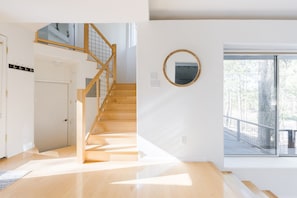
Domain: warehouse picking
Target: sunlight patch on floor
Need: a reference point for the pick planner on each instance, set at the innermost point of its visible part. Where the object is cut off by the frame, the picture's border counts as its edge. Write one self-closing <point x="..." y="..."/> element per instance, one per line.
<point x="177" y="180"/>
<point x="50" y="167"/>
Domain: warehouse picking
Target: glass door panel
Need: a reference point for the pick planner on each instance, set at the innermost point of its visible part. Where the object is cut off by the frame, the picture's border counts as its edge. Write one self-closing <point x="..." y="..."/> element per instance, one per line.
<point x="250" y="105"/>
<point x="287" y="104"/>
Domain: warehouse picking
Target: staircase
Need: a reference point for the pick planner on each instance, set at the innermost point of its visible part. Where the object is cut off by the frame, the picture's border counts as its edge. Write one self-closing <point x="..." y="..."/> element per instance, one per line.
<point x="245" y="188"/>
<point x="114" y="136"/>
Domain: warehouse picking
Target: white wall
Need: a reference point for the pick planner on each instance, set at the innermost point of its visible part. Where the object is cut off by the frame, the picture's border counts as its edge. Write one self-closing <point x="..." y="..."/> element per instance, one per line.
<point x="116" y="33"/>
<point x="131" y="64"/>
<point x="62" y="65"/>
<point x="186" y="123"/>
<point x="20" y="85"/>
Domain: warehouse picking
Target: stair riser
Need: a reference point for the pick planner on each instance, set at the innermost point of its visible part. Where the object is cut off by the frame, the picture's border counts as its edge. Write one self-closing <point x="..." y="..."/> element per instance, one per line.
<point x="125" y="86"/>
<point x="98" y="156"/>
<point x="118" y="116"/>
<point x="122" y="100"/>
<point x="120" y="107"/>
<point x="115" y="127"/>
<point x="123" y="93"/>
<point x="97" y="140"/>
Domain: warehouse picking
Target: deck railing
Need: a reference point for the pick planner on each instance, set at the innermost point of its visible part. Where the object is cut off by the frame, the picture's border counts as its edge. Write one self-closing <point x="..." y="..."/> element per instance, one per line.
<point x="103" y="53"/>
<point x="255" y="134"/>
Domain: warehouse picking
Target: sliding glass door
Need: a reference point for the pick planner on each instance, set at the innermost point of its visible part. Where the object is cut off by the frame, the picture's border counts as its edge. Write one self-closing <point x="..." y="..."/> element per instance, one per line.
<point x="250" y="105"/>
<point x="260" y="105"/>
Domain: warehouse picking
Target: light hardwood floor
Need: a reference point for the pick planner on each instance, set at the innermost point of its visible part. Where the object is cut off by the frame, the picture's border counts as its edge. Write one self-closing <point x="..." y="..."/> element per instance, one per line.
<point x="58" y="174"/>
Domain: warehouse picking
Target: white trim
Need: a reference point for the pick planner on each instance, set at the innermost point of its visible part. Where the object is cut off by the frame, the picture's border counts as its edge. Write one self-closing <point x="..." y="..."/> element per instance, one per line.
<point x="3" y="90"/>
<point x="49" y="81"/>
<point x="275" y="55"/>
<point x="132" y="35"/>
<point x="266" y="48"/>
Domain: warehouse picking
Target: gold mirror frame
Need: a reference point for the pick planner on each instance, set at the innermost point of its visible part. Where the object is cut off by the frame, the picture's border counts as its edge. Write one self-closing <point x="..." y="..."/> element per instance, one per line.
<point x="198" y="69"/>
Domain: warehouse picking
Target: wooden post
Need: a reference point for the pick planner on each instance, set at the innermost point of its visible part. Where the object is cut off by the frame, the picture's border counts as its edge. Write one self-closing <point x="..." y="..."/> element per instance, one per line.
<point x="98" y="94"/>
<point x="107" y="78"/>
<point x="114" y="65"/>
<point x="80" y="125"/>
<point x="86" y="37"/>
<point x="36" y="36"/>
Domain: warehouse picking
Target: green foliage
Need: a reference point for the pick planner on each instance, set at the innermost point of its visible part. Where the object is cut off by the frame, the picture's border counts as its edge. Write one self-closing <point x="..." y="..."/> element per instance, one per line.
<point x="248" y="88"/>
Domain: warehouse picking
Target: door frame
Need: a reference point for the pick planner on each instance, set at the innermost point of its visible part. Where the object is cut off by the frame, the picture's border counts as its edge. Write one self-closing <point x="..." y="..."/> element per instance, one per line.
<point x="68" y="100"/>
<point x="3" y="90"/>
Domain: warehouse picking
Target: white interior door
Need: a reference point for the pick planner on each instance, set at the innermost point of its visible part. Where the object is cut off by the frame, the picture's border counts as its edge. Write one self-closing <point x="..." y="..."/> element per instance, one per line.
<point x="51" y="115"/>
<point x="2" y="97"/>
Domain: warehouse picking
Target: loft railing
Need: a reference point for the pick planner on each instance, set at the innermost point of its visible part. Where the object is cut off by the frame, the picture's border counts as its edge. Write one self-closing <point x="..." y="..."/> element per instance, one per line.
<point x="99" y="50"/>
<point x="60" y="34"/>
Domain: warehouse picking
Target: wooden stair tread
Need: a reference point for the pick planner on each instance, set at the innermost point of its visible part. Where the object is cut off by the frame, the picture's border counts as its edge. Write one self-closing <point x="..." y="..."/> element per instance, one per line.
<point x="120" y="121"/>
<point x="269" y="194"/>
<point x="123" y="93"/>
<point x="112" y="138"/>
<point x="116" y="134"/>
<point x="128" y="121"/>
<point x="216" y="174"/>
<point x="118" y="115"/>
<point x="124" y="86"/>
<point x="119" y="111"/>
<point x="237" y="186"/>
<point x="116" y="148"/>
<point x="120" y="106"/>
<point x="254" y="189"/>
<point x="122" y="100"/>
<point x="122" y="96"/>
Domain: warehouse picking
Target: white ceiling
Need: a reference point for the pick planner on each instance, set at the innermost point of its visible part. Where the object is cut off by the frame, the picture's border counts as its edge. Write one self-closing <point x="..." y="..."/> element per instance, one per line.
<point x="75" y="11"/>
<point x="103" y="11"/>
<point x="223" y="9"/>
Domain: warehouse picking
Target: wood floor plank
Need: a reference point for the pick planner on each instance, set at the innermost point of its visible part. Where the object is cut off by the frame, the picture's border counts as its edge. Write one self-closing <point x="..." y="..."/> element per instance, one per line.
<point x="62" y="176"/>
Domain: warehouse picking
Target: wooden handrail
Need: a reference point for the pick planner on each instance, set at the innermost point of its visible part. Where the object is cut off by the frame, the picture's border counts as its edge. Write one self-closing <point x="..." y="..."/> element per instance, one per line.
<point x="96" y="59"/>
<point x="86" y="38"/>
<point x="93" y="81"/>
<point x="114" y="69"/>
<point x="101" y="35"/>
<point x="80" y="126"/>
<point x="59" y="44"/>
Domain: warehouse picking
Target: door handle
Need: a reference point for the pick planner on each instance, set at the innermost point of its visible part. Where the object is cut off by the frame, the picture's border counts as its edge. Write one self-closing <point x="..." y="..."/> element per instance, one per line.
<point x="65" y="120"/>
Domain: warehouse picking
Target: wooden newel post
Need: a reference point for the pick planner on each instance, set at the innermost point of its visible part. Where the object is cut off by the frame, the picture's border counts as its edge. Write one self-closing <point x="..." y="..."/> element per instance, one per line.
<point x="107" y="77"/>
<point x="86" y="37"/>
<point x="36" y="36"/>
<point x="80" y="125"/>
<point x="98" y="94"/>
<point x="114" y="66"/>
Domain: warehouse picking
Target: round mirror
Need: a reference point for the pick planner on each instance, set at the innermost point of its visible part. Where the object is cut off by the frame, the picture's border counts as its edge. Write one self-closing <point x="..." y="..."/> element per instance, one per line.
<point x="181" y="67"/>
